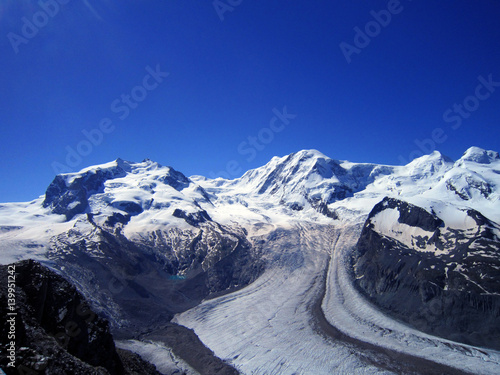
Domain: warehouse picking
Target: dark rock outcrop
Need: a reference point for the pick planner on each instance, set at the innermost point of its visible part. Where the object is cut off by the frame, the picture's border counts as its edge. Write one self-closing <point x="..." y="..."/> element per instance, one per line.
<point x="71" y="198"/>
<point x="194" y="218"/>
<point x="145" y="281"/>
<point x="452" y="291"/>
<point x="175" y="179"/>
<point x="409" y="214"/>
<point x="56" y="332"/>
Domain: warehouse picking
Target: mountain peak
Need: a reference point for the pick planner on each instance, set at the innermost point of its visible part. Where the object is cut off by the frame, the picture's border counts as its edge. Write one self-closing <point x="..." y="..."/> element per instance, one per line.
<point x="123" y="164"/>
<point x="479" y="155"/>
<point x="432" y="157"/>
<point x="430" y="164"/>
<point x="311" y="153"/>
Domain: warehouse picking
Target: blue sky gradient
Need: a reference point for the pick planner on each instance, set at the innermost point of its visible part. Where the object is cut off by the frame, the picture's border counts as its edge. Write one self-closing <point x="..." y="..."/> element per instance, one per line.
<point x="231" y="70"/>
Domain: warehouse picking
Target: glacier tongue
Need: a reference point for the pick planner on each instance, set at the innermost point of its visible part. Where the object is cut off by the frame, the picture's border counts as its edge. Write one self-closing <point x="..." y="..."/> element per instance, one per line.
<point x="266" y="327"/>
<point x="270" y="327"/>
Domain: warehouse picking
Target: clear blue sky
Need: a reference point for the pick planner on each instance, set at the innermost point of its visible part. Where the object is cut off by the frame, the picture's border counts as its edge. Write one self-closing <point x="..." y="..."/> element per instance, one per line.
<point x="68" y="74"/>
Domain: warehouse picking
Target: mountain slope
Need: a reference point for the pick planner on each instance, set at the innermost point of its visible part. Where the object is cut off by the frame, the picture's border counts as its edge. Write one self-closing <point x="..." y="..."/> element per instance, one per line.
<point x="441" y="280"/>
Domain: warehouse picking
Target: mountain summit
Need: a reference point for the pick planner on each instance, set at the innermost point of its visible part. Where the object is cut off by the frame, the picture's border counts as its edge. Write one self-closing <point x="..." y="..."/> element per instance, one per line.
<point x="306" y="184"/>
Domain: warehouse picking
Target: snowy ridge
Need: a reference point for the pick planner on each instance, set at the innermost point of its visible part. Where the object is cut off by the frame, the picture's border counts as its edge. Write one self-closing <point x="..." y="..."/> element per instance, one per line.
<point x="305" y="185"/>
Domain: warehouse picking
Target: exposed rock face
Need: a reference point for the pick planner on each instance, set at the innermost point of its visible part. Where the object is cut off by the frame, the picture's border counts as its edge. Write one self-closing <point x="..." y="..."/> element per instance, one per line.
<point x="411" y="215"/>
<point x="137" y="283"/>
<point x="56" y="331"/>
<point x="441" y="280"/>
<point x="194" y="218"/>
<point x="71" y="197"/>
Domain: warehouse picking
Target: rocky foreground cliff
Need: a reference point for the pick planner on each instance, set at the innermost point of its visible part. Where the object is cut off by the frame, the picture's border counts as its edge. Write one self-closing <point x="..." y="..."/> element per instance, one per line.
<point x="55" y="331"/>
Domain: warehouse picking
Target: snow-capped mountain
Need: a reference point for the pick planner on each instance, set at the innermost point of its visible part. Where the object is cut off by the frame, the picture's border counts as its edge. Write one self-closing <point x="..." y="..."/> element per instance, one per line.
<point x="305" y="249"/>
<point x="148" y="195"/>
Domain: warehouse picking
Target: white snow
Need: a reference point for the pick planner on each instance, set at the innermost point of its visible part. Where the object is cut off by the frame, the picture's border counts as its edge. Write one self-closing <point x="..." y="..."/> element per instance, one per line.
<point x="386" y="223"/>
